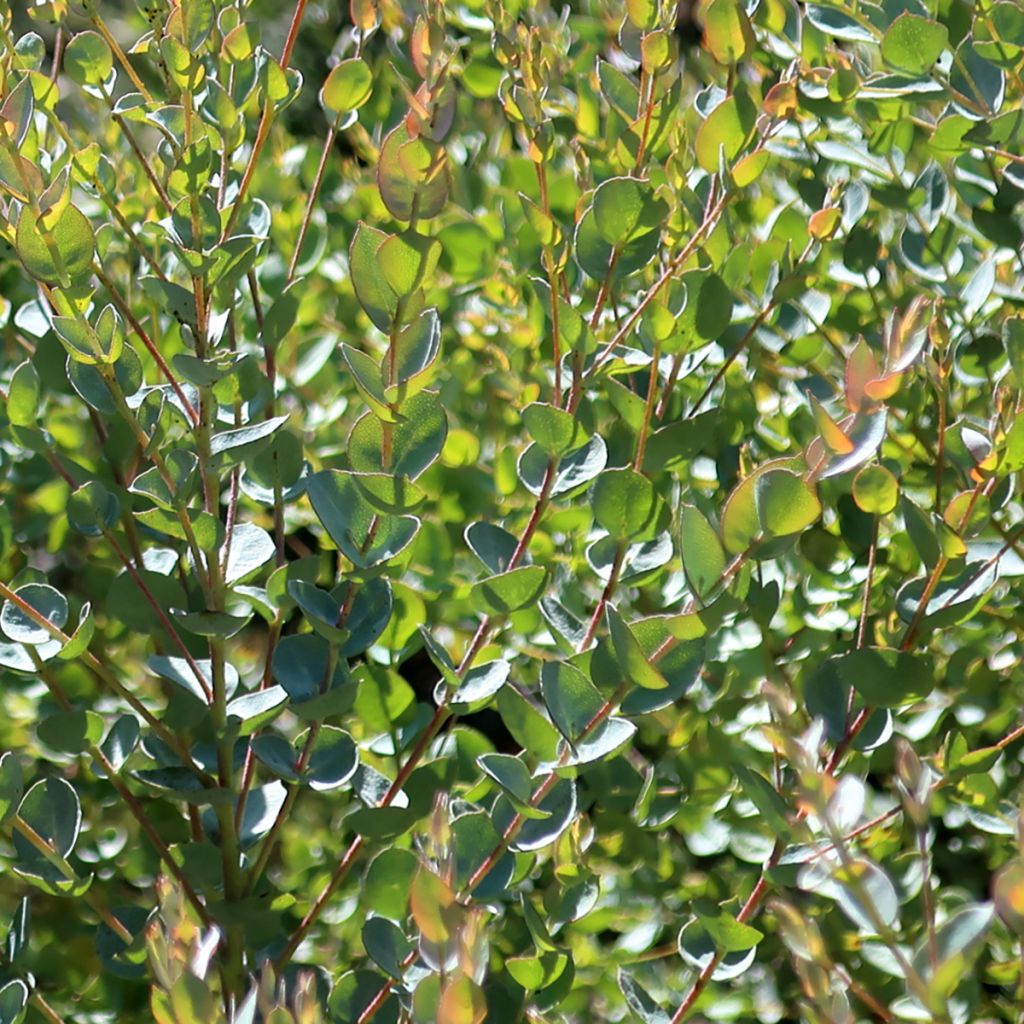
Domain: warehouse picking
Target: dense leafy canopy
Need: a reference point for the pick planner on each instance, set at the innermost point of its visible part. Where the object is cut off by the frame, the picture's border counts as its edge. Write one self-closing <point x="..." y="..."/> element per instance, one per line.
<point x="511" y="514"/>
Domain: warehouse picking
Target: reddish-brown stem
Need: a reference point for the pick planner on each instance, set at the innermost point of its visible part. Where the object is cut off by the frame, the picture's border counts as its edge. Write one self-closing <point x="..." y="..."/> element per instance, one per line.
<point x="666" y="394"/>
<point x="864" y="996"/>
<point x="746" y="912"/>
<point x="158" y="610"/>
<point x="263" y="130"/>
<point x="866" y="598"/>
<point x="940" y="456"/>
<point x="541" y="791"/>
<point x="670" y="272"/>
<point x="645" y="426"/>
<point x="609" y="589"/>
<point x="730" y="359"/>
<point x="922" y="604"/>
<point x="381" y="997"/>
<point x="151" y="348"/>
<point x="648" y="112"/>
<point x="433" y="727"/>
<point x="143" y="162"/>
<point x="549" y="264"/>
<point x="852" y="731"/>
<point x="129" y="798"/>
<point x="318" y="181"/>
<point x="58" y="53"/>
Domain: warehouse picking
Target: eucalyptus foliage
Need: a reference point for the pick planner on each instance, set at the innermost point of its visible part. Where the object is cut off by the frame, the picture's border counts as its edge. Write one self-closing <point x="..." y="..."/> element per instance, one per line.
<point x="534" y="536"/>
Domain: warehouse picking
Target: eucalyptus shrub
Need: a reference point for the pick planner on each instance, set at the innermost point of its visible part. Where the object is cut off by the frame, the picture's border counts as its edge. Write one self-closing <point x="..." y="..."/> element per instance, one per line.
<point x="535" y="538"/>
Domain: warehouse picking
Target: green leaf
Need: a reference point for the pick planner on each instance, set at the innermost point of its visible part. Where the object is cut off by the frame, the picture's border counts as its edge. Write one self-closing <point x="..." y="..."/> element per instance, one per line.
<point x="785" y="503"/>
<point x="367" y="377"/>
<point x="493" y="545"/>
<point x="574" y="470"/>
<point x="512" y="775"/>
<point x="729" y="935"/>
<point x="248" y="549"/>
<point x="624" y="209"/>
<point x="23" y="396"/>
<point x="301" y="665"/>
<point x="556" y="431"/>
<point x="416" y="439"/>
<point x="703" y="557"/>
<point x="978" y="85"/>
<point x="389" y="494"/>
<point x="530" y="729"/>
<point x="237" y="445"/>
<point x="507" y="592"/>
<point x="207" y="530"/>
<point x="560" y="807"/>
<point x="49" y="604"/>
<point x="571" y="698"/>
<point x="13" y="1000"/>
<point x="1000" y="37"/>
<point x="537" y="972"/>
<point x="599" y="258"/>
<point x="353" y="993"/>
<point x="71" y="732"/>
<point x="706" y="315"/>
<point x="87" y="59"/>
<point x="412" y="175"/>
<point x="760" y="792"/>
<point x="478" y="686"/>
<point x="632" y="661"/>
<point x="639" y="1000"/>
<point x="619" y="89"/>
<point x="406" y="259"/>
<point x="347" y="87"/>
<point x="87" y="344"/>
<point x="698" y="949"/>
<point x="80" y="639"/>
<point x="348" y="518"/>
<point x="624" y="502"/>
<point x="181" y="466"/>
<point x="195" y="678"/>
<point x="62" y="252"/>
<point x="727" y="31"/>
<point x="887" y="678"/>
<point x="867" y="895"/>
<point x="913" y="43"/>
<point x="741" y="526"/>
<point x="875" y="490"/>
<point x="416" y="350"/>
<point x="52" y="809"/>
<point x="197" y="19"/>
<point x="121" y="741"/>
<point x="333" y="759"/>
<point x="728" y="128"/>
<point x="261" y="810"/>
<point x="374" y="293"/>
<point x="833" y="21"/>
<point x="474" y="839"/>
<point x="385" y="888"/>
<point x="12" y="785"/>
<point x="253" y="711"/>
<point x="385" y="943"/>
<point x="959" y="941"/>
